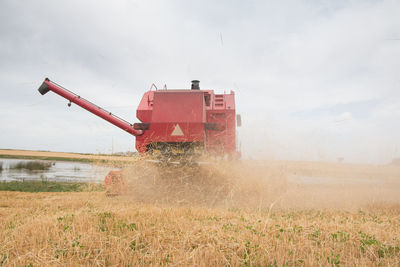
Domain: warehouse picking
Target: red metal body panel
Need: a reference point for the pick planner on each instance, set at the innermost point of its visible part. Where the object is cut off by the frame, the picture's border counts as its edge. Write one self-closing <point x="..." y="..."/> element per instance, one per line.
<point x="222" y="112"/>
<point x="145" y="109"/>
<point x="190" y="109"/>
<point x="178" y="106"/>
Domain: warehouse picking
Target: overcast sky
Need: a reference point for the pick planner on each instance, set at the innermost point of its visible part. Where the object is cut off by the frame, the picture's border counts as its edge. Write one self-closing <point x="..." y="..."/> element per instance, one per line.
<point x="314" y="80"/>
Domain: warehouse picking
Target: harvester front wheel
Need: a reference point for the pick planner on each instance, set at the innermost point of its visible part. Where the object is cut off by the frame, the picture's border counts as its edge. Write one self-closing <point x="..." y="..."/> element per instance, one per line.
<point x="114" y="183"/>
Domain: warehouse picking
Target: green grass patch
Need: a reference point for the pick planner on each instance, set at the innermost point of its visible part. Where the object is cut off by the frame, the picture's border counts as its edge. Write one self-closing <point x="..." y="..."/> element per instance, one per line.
<point x="46" y="186"/>
<point x="1" y="166"/>
<point x="31" y="165"/>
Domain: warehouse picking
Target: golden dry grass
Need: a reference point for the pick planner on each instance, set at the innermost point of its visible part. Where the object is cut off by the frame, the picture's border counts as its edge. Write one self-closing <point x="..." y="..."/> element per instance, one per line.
<point x="91" y="229"/>
<point x="244" y="214"/>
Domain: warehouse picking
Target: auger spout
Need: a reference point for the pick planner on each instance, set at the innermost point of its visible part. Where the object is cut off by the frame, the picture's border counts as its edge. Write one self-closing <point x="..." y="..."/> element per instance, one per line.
<point x="48" y="85"/>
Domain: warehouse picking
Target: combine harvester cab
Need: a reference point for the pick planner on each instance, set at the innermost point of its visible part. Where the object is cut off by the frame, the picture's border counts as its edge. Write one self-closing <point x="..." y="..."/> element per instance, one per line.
<point x="175" y="125"/>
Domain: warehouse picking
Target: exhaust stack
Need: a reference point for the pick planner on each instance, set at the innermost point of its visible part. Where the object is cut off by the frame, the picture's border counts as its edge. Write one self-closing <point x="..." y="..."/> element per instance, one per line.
<point x="195" y="85"/>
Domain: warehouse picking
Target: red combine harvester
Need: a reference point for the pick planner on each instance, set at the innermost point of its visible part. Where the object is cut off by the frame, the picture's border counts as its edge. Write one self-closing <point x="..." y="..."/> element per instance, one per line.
<point x="176" y="125"/>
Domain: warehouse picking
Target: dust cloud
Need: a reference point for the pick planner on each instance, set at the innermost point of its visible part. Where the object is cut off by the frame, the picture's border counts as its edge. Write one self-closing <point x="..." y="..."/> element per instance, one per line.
<point x="264" y="185"/>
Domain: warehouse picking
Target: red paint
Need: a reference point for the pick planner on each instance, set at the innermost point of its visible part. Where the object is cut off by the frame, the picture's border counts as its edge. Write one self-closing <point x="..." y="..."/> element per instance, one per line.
<point x="190" y="109"/>
<point x="108" y="116"/>
<point x="164" y="110"/>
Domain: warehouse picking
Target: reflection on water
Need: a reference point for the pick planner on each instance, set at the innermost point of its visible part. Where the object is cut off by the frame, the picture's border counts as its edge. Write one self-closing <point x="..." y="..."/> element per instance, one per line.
<point x="64" y="171"/>
<point x="60" y="171"/>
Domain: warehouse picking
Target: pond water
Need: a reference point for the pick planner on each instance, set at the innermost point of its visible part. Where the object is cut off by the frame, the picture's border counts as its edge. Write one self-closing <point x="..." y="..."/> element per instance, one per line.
<point x="67" y="171"/>
<point x="60" y="171"/>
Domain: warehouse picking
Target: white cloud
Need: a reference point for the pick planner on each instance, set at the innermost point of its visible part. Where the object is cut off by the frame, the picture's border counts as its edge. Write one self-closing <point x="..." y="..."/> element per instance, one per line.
<point x="319" y="59"/>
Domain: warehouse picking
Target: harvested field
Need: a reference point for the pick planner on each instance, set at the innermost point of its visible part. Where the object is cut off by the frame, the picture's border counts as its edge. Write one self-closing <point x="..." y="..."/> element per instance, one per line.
<point x="91" y="229"/>
<point x="243" y="214"/>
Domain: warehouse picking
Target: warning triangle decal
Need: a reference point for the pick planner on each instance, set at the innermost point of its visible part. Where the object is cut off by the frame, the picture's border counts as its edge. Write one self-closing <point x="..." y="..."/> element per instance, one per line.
<point x="177" y="131"/>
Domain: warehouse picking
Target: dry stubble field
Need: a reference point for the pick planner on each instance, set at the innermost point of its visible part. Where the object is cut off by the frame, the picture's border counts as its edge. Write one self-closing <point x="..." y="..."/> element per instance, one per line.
<point x="243" y="215"/>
